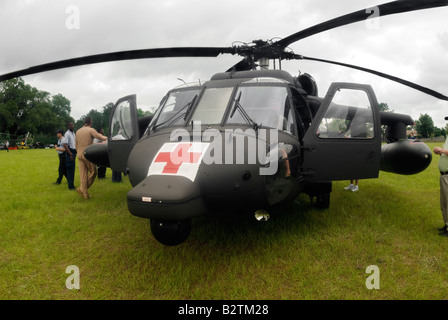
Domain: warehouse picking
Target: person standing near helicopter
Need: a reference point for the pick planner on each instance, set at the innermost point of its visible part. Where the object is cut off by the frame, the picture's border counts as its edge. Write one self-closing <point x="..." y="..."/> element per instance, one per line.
<point x="70" y="154"/>
<point x="87" y="169"/>
<point x="353" y="186"/>
<point x="62" y="169"/>
<point x="101" y="170"/>
<point x="443" y="181"/>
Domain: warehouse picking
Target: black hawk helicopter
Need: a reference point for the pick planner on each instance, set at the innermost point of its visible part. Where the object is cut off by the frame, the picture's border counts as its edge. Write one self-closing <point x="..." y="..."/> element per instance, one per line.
<point x="250" y="139"/>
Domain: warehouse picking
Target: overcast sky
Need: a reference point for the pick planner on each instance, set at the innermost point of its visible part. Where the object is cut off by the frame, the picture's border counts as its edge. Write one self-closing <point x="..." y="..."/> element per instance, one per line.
<point x="413" y="46"/>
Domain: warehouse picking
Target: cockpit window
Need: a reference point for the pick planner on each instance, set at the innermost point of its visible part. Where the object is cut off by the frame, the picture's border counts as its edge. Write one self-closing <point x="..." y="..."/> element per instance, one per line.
<point x="174" y="109"/>
<point x="212" y="106"/>
<point x="265" y="105"/>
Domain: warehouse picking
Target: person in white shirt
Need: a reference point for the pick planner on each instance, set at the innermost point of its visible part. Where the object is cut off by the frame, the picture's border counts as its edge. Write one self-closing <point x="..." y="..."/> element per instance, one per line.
<point x="70" y="152"/>
<point x="62" y="169"/>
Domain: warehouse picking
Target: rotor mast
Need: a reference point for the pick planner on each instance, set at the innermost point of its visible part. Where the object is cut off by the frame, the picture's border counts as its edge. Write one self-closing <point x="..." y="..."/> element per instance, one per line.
<point x="258" y="53"/>
<point x="263" y="63"/>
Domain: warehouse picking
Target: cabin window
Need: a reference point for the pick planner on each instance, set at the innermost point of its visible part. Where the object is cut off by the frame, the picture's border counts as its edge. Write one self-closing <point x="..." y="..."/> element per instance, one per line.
<point x="349" y="116"/>
<point x="121" y="128"/>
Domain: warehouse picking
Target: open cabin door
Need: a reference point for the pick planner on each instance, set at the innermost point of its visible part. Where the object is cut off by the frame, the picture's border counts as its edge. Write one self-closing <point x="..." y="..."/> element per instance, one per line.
<point x="344" y="139"/>
<point x="123" y="132"/>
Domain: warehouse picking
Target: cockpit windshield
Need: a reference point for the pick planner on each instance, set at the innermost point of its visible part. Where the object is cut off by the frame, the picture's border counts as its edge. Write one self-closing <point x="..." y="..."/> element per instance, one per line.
<point x="174" y="109"/>
<point x="266" y="105"/>
<point x="213" y="104"/>
<point x="260" y="105"/>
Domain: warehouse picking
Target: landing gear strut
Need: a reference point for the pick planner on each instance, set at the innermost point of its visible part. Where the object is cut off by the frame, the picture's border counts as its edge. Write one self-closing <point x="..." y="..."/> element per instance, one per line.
<point x="321" y="191"/>
<point x="323" y="200"/>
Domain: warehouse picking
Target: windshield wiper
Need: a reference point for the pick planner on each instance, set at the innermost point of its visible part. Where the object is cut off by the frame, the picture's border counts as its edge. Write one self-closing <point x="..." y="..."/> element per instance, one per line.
<point x="243" y="112"/>
<point x="177" y="115"/>
<point x="191" y="103"/>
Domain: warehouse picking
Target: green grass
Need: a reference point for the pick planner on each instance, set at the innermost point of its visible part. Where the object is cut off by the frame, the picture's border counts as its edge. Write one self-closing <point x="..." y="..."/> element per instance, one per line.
<point x="302" y="253"/>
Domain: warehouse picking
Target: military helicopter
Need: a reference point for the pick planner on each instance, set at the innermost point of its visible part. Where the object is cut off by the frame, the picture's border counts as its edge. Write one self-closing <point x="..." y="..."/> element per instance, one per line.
<point x="251" y="139"/>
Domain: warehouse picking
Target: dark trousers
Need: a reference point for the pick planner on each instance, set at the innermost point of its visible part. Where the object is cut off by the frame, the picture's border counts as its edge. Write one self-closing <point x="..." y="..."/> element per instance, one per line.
<point x="70" y="167"/>
<point x="101" y="172"/>
<point x="116" y="176"/>
<point x="62" y="167"/>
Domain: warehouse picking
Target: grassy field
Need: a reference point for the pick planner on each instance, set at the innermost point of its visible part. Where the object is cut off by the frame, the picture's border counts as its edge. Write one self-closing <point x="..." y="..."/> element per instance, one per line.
<point x="299" y="254"/>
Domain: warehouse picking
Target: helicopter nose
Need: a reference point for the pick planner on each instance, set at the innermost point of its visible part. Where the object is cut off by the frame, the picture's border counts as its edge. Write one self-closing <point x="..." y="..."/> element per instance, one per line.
<point x="158" y="196"/>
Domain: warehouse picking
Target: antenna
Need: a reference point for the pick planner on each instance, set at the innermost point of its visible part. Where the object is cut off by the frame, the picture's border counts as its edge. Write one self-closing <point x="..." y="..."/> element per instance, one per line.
<point x="182" y="81"/>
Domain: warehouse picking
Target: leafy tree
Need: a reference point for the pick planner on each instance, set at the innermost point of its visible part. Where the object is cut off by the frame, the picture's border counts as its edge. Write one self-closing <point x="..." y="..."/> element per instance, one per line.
<point x="385" y="107"/>
<point x="101" y="119"/>
<point x="24" y="108"/>
<point x="61" y="106"/>
<point x="141" y="113"/>
<point x="97" y="119"/>
<point x="439" y="132"/>
<point x="425" y="125"/>
<point x="107" y="110"/>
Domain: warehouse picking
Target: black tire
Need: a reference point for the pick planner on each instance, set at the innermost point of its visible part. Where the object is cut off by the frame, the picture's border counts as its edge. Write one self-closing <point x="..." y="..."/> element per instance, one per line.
<point x="171" y="233"/>
<point x="323" y="200"/>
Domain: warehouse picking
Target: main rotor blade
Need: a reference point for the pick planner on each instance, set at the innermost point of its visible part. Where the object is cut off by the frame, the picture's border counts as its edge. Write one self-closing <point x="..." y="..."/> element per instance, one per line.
<point x="122" y="55"/>
<point x="384" y="75"/>
<point x="385" y="9"/>
<point x="243" y="65"/>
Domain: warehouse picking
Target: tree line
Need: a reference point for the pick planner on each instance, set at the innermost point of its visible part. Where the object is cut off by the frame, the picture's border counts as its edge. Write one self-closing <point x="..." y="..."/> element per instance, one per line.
<point x="25" y="109"/>
<point x="426" y="129"/>
<point x="100" y="119"/>
<point x="424" y="125"/>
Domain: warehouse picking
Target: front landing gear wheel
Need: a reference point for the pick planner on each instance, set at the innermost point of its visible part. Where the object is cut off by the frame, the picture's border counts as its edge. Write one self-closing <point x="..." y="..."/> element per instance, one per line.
<point x="171" y="233"/>
<point x="323" y="200"/>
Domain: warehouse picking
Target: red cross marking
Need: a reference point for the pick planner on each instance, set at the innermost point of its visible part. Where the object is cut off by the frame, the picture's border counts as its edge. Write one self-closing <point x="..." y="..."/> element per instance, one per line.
<point x="179" y="155"/>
